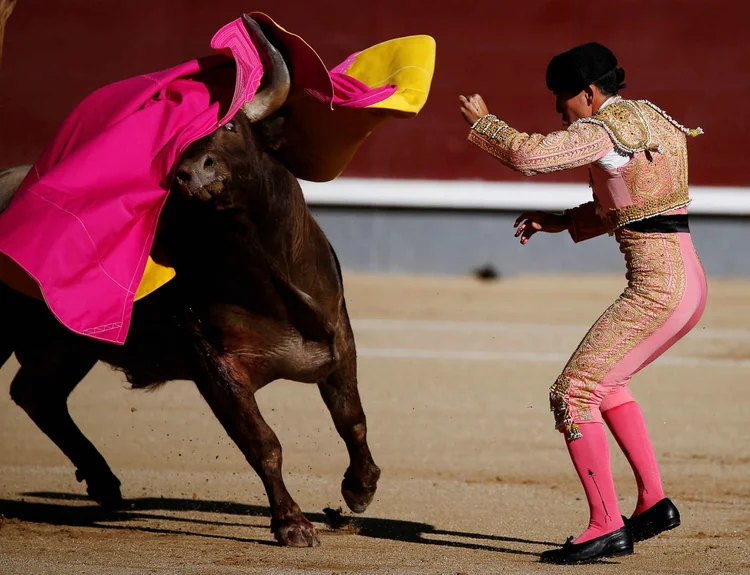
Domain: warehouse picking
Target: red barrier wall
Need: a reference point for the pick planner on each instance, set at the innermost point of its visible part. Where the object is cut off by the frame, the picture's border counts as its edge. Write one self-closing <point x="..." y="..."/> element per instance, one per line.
<point x="689" y="57"/>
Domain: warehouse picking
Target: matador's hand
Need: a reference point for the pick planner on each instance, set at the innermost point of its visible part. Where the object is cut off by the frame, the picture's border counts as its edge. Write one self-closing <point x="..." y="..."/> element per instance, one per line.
<point x="473" y="108"/>
<point x="529" y="223"/>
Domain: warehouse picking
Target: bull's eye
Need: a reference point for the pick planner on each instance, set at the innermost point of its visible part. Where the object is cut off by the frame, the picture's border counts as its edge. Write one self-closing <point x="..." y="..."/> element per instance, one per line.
<point x="229" y="126"/>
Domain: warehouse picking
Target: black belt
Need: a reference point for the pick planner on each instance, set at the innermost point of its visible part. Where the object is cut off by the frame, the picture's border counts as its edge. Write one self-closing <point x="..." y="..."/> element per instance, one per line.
<point x="661" y="225"/>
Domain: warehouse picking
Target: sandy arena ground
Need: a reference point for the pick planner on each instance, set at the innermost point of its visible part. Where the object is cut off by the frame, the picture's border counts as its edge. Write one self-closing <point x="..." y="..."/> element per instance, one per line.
<point x="454" y="376"/>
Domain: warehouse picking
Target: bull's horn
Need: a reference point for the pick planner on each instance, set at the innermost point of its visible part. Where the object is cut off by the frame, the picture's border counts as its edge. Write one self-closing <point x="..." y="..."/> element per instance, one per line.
<point x="276" y="75"/>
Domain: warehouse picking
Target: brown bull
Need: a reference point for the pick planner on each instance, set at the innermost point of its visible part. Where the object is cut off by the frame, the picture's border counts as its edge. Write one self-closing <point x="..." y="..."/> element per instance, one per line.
<point x="258" y="296"/>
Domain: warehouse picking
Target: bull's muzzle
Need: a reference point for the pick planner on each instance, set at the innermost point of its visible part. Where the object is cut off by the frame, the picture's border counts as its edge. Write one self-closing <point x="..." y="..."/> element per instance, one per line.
<point x="197" y="176"/>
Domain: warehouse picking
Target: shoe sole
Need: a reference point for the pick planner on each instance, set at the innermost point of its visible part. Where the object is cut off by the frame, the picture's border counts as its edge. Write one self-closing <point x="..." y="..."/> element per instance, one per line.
<point x="645" y="535"/>
<point x="612" y="555"/>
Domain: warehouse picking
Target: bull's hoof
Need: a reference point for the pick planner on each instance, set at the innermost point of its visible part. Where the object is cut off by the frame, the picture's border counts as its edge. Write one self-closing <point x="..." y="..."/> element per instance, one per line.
<point x="295" y="531"/>
<point x="358" y="492"/>
<point x="104" y="488"/>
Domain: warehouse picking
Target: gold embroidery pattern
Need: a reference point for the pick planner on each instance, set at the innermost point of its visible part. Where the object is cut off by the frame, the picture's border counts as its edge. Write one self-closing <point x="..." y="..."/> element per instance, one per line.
<point x="626" y="125"/>
<point x="657" y="183"/>
<point x="694" y="132"/>
<point x="633" y="213"/>
<point x="535" y="154"/>
<point x="656" y="285"/>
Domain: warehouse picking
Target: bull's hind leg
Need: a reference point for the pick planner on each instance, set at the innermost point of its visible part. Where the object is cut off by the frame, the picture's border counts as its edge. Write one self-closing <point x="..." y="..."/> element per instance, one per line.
<point x="42" y="390"/>
<point x="341" y="396"/>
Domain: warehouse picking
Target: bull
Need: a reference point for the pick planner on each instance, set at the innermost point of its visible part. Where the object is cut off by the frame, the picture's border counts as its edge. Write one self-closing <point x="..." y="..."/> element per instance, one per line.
<point x="258" y="296"/>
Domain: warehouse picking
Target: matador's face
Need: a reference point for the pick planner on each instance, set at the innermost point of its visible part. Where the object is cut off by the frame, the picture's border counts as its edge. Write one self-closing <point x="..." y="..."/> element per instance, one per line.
<point x="573" y="107"/>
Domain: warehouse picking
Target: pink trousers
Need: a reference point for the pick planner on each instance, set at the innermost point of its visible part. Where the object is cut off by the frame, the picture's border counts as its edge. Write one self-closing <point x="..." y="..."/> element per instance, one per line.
<point x="664" y="299"/>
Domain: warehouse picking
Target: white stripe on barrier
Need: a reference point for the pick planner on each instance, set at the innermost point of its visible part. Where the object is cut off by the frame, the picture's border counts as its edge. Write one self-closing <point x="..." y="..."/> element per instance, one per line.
<point x="482" y="195"/>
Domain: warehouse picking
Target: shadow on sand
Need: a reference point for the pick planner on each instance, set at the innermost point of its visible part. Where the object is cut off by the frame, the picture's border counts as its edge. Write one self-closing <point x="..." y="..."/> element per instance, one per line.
<point x="52" y="509"/>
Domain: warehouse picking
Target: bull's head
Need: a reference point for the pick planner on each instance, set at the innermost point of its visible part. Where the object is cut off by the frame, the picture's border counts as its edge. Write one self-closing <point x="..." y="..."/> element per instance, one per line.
<point x="235" y="150"/>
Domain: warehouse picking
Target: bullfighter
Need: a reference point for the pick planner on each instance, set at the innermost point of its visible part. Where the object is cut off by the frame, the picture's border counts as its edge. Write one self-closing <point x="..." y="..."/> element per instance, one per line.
<point x="638" y="169"/>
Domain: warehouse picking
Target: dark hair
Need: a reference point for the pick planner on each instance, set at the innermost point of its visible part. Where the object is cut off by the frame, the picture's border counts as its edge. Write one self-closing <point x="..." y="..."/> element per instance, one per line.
<point x="611" y="82"/>
<point x="579" y="67"/>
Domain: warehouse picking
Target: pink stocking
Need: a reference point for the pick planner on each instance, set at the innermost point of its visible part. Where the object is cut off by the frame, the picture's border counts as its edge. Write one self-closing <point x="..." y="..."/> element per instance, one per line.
<point x="590" y="455"/>
<point x="629" y="428"/>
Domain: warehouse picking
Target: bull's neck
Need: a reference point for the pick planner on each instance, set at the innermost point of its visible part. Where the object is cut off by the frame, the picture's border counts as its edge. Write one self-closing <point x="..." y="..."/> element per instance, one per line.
<point x="281" y="214"/>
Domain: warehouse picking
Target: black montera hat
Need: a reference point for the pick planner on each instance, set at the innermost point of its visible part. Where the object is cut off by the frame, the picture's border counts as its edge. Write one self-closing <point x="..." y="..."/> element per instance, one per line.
<point x="574" y="70"/>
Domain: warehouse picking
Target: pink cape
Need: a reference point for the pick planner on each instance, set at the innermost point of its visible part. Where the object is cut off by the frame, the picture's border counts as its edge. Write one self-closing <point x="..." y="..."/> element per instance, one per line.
<point x="83" y="222"/>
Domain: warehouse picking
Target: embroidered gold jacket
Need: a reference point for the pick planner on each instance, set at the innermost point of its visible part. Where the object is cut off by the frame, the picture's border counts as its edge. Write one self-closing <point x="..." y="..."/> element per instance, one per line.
<point x="654" y="180"/>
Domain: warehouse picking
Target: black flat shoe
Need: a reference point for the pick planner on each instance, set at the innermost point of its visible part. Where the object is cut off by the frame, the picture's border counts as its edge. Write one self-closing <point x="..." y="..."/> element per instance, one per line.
<point x="615" y="544"/>
<point x="660" y="517"/>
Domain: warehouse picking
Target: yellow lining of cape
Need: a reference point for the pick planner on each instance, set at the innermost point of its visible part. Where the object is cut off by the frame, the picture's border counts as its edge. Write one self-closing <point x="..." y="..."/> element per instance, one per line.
<point x="154" y="276"/>
<point x="407" y="62"/>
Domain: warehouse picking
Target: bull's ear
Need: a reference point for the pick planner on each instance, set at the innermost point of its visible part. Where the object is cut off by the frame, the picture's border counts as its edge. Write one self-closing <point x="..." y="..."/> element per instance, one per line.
<point x="273" y="131"/>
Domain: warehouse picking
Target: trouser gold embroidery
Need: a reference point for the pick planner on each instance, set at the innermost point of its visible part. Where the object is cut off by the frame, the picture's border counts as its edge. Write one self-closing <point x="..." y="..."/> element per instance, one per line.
<point x="664" y="298"/>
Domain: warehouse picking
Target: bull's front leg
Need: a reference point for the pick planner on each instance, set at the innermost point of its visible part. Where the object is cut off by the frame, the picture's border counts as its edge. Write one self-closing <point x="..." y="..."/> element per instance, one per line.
<point x="233" y="403"/>
<point x="341" y="396"/>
